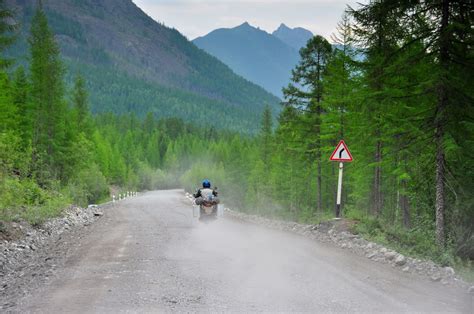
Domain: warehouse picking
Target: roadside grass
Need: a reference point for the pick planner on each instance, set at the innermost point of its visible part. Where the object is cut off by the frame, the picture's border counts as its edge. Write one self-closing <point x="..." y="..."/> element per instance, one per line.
<point x="465" y="268"/>
<point x="416" y="242"/>
<point x="314" y="218"/>
<point x="25" y="200"/>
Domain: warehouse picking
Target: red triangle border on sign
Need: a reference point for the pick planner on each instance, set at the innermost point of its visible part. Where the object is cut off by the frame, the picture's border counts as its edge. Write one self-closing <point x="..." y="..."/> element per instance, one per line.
<point x="347" y="150"/>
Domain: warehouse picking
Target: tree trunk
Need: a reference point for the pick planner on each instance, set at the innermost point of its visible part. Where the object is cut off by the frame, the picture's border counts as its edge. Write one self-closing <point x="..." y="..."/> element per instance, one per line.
<point x="376" y="189"/>
<point x="320" y="197"/>
<point x="404" y="205"/>
<point x="439" y="124"/>
<point x="440" y="237"/>
<point x="318" y="131"/>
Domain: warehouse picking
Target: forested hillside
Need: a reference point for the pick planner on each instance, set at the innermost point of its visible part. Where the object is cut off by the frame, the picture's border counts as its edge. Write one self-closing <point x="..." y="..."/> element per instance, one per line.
<point x="406" y="113"/>
<point x="134" y="64"/>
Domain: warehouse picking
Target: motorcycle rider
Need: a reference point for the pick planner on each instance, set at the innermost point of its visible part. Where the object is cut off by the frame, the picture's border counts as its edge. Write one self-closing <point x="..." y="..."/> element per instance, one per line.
<point x="206" y="194"/>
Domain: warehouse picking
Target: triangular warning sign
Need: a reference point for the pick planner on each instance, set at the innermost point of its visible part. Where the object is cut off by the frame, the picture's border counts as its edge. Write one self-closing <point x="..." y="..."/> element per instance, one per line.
<point x="341" y="153"/>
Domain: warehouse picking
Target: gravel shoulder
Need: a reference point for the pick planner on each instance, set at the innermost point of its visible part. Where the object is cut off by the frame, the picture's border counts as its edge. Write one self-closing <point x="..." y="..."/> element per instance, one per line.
<point x="30" y="256"/>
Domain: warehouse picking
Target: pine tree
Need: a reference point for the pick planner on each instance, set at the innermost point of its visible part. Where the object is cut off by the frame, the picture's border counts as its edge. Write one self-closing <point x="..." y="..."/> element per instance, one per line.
<point x="266" y="133"/>
<point x="309" y="74"/>
<point x="8" y="110"/>
<point x="23" y="105"/>
<point x="80" y="104"/>
<point x="47" y="92"/>
<point x="377" y="30"/>
<point x="7" y="29"/>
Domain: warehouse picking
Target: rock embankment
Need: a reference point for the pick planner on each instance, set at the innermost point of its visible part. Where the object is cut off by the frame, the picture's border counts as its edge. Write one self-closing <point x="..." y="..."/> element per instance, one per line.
<point x="331" y="232"/>
<point x="35" y="252"/>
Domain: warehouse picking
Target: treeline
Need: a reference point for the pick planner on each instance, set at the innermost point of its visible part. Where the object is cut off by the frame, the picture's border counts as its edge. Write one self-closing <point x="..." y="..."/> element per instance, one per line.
<point x="406" y="112"/>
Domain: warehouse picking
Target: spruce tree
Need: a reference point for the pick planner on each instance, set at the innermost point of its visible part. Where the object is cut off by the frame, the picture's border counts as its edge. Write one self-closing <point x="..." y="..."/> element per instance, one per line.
<point x="8" y="111"/>
<point x="7" y="32"/>
<point x="81" y="105"/>
<point x="266" y="132"/>
<point x="47" y="93"/>
<point x="377" y="31"/>
<point x="23" y="106"/>
<point x="309" y="75"/>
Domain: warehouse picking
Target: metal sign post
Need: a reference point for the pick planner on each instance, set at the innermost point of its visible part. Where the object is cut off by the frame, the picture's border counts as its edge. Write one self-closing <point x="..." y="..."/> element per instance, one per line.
<point x="339" y="190"/>
<point x="341" y="154"/>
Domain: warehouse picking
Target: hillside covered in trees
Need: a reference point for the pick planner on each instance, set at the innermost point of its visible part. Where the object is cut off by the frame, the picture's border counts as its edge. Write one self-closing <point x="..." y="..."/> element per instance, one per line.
<point x="406" y="113"/>
<point x="133" y="64"/>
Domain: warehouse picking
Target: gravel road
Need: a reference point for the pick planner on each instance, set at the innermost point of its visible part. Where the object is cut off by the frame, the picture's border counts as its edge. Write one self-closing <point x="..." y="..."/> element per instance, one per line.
<point x="148" y="255"/>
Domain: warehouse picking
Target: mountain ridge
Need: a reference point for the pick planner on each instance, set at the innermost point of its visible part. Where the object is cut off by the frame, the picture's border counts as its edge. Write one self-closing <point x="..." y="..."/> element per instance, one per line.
<point x="114" y="40"/>
<point x="252" y="53"/>
<point x="295" y="37"/>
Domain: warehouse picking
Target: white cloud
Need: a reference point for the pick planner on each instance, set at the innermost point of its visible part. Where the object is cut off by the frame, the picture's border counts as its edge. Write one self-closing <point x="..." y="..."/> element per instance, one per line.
<point x="196" y="18"/>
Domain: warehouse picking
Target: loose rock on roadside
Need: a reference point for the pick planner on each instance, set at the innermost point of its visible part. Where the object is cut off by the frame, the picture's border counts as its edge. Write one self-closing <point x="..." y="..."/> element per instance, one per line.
<point x="33" y="250"/>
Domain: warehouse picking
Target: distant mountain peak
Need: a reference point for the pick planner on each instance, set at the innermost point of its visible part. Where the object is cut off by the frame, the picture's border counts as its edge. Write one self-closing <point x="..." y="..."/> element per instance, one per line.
<point x="245" y="25"/>
<point x="282" y="27"/>
<point x="253" y="53"/>
<point x="295" y="37"/>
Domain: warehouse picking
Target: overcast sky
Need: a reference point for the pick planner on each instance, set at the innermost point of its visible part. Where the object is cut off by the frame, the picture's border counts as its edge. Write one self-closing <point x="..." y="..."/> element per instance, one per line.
<point x="195" y="18"/>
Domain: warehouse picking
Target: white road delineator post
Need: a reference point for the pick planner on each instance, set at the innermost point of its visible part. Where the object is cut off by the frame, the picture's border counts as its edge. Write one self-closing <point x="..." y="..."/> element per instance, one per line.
<point x="196" y="211"/>
<point x="220" y="210"/>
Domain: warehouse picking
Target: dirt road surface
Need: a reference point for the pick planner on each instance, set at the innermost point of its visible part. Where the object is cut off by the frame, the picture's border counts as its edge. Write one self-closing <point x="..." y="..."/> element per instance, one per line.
<point x="147" y="255"/>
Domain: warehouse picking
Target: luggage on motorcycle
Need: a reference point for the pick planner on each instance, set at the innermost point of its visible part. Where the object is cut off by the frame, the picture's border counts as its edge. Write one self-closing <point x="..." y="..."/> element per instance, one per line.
<point x="207" y="194"/>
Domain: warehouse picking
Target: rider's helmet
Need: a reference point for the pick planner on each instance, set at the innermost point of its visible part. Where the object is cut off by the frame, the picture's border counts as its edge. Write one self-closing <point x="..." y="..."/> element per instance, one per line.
<point x="206" y="184"/>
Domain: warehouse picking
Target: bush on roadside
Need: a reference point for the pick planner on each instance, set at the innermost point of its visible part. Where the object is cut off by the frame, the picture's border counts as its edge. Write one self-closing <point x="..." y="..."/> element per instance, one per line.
<point x="192" y="178"/>
<point x="88" y="186"/>
<point x="24" y="199"/>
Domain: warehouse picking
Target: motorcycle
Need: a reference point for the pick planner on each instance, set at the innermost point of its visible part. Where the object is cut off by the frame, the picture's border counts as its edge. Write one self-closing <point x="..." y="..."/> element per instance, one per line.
<point x="208" y="210"/>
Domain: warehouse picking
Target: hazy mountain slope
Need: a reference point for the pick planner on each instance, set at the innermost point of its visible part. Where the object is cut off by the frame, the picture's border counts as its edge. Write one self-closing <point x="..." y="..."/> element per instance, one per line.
<point x="294" y="37"/>
<point x="252" y="53"/>
<point x="117" y="46"/>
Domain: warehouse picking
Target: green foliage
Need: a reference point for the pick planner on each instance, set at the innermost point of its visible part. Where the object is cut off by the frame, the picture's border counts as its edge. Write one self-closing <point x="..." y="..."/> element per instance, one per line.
<point x="47" y="93"/>
<point x="13" y="158"/>
<point x="88" y="186"/>
<point x="201" y="170"/>
<point x="7" y="28"/>
<point x="80" y="105"/>
<point x="24" y="199"/>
